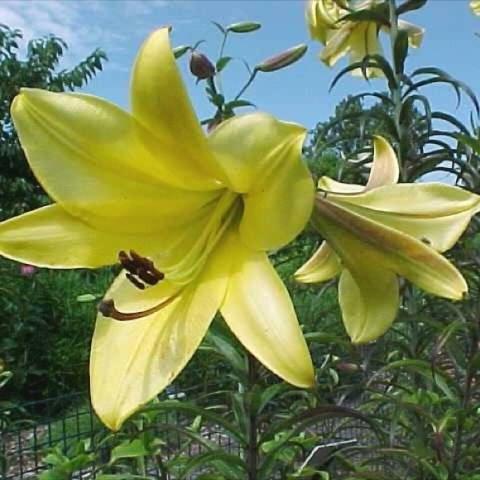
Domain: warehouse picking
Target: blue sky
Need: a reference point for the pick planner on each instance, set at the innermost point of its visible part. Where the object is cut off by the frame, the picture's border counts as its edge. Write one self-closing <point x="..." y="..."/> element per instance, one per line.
<point x="299" y="93"/>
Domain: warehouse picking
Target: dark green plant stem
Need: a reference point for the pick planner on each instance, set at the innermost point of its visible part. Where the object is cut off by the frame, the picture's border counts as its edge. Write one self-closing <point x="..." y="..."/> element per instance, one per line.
<point x="161" y="467"/>
<point x="252" y="447"/>
<point x="396" y="93"/>
<point x="220" y="55"/>
<point x="466" y="400"/>
<point x="249" y="82"/>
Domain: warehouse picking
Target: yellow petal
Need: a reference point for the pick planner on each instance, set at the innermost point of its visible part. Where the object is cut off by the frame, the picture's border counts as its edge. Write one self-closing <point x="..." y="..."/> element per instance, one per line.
<point x="354" y="236"/>
<point x="322" y="266"/>
<point x="415" y="33"/>
<point x="434" y="213"/>
<point x="369" y="300"/>
<point x="249" y="147"/>
<point x="259" y="311"/>
<point x="132" y="361"/>
<point x="160" y="101"/>
<point x="321" y="16"/>
<point x="327" y="184"/>
<point x="50" y="237"/>
<point x="385" y="169"/>
<point x="338" y="45"/>
<point x="89" y="157"/>
<point x="364" y="41"/>
<point x="475" y="6"/>
<point x="277" y="210"/>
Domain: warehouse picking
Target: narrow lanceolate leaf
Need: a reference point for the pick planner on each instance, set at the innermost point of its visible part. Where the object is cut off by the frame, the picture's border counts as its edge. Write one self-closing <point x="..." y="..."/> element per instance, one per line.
<point x="222" y="63"/>
<point x="410" y="5"/>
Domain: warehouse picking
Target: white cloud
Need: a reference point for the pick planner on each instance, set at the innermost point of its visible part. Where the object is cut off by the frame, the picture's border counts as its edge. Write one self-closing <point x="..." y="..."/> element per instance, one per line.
<point x="83" y="24"/>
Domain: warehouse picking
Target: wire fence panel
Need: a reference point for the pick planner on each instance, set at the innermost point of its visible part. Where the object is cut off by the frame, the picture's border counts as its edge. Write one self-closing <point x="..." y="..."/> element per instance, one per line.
<point x="24" y="444"/>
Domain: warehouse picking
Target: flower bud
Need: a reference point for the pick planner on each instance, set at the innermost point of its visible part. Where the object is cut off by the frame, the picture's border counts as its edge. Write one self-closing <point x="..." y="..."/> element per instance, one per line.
<point x="200" y="66"/>
<point x="283" y="59"/>
<point x="243" y="27"/>
<point x="180" y="50"/>
<point x="346" y="367"/>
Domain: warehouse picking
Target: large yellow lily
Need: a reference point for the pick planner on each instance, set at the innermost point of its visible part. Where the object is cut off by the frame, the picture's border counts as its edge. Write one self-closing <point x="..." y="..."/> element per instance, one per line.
<point x="376" y="232"/>
<point x="203" y="210"/>
<point x="475" y="6"/>
<point x="346" y="37"/>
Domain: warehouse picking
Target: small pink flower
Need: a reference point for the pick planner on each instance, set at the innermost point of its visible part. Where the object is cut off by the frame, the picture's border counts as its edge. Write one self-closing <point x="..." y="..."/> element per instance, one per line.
<point x="27" y="270"/>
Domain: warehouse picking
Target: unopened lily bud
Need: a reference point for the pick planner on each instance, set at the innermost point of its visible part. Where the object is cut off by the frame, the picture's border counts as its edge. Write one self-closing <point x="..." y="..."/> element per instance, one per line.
<point x="283" y="59"/>
<point x="243" y="27"/>
<point x="181" y="50"/>
<point x="346" y="367"/>
<point x="200" y="66"/>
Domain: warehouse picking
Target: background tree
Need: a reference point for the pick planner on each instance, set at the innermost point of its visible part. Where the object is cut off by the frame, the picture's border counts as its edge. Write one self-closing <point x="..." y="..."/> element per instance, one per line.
<point x="57" y="363"/>
<point x="37" y="68"/>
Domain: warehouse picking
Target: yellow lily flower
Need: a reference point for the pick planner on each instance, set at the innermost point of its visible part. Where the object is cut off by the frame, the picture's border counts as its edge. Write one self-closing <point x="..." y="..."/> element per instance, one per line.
<point x="475" y="6"/>
<point x="346" y="37"/>
<point x="375" y="232"/>
<point x="203" y="210"/>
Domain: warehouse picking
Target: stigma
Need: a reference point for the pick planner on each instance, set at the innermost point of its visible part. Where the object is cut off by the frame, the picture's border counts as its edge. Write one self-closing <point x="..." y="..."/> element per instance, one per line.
<point x="107" y="309"/>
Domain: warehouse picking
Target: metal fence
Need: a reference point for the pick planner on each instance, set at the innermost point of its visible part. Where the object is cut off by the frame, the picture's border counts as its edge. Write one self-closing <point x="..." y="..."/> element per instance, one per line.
<point x="23" y="444"/>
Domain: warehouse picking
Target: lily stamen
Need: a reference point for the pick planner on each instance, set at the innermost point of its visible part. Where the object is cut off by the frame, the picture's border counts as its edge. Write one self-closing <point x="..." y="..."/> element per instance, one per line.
<point x="140" y="270"/>
<point x="107" y="309"/>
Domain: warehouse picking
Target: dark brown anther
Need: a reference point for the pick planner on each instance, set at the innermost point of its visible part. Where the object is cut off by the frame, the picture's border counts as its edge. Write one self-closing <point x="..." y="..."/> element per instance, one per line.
<point x="135" y="281"/>
<point x="140" y="270"/>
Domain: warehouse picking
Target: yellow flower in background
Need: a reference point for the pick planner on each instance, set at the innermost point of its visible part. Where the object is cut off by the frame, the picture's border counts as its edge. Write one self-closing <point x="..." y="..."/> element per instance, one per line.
<point x="475" y="6"/>
<point x="376" y="232"/>
<point x="190" y="217"/>
<point x="346" y="37"/>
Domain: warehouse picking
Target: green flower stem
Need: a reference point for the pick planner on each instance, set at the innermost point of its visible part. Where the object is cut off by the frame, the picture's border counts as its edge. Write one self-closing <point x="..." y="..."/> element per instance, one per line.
<point x="396" y="93"/>
<point x="220" y="55"/>
<point x="252" y="447"/>
<point x="466" y="402"/>
<point x="249" y="82"/>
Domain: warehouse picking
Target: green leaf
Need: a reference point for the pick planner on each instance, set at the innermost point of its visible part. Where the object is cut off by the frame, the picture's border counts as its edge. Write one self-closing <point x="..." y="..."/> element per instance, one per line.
<point x="268" y="394"/>
<point x="243" y="27"/>
<point x="423" y="368"/>
<point x="410" y="5"/>
<point x="239" y="103"/>
<point x="473" y="143"/>
<point x="377" y="15"/>
<point x="220" y="27"/>
<point x="218" y="99"/>
<point x="225" y="346"/>
<point x="222" y="63"/>
<point x="86" y="297"/>
<point x="194" y="410"/>
<point x="129" y="449"/>
<point x="231" y="465"/>
<point x="400" y="51"/>
<point x="121" y="476"/>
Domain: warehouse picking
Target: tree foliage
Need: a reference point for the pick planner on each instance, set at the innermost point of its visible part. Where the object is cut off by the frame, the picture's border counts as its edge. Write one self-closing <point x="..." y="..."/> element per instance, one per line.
<point x="38" y="67"/>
